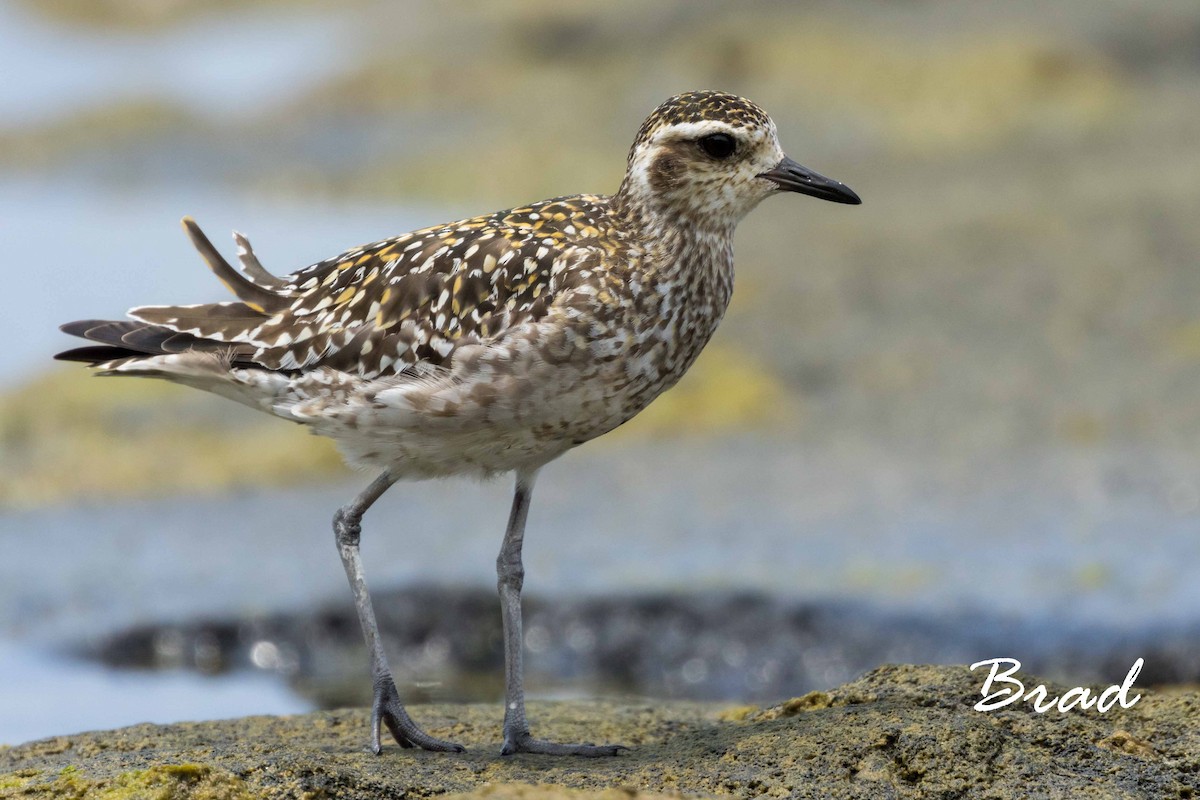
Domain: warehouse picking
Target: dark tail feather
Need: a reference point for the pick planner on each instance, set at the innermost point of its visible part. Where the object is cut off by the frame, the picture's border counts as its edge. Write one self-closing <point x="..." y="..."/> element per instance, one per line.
<point x="96" y="354"/>
<point x="119" y="340"/>
<point x="259" y="298"/>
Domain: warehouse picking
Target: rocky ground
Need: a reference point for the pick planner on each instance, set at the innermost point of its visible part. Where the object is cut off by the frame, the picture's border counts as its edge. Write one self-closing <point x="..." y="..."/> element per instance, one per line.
<point x="897" y="732"/>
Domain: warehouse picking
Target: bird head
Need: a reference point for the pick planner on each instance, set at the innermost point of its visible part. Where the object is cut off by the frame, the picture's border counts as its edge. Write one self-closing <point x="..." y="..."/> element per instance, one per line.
<point x="708" y="158"/>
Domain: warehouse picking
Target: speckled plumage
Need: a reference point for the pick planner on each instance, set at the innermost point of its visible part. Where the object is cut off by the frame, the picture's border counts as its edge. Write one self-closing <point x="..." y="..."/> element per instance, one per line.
<point x="488" y="345"/>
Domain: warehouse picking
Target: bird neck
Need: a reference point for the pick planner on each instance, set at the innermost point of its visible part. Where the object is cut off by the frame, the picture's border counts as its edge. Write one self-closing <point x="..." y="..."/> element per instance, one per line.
<point x="639" y="209"/>
<point x="675" y="240"/>
<point x="693" y="259"/>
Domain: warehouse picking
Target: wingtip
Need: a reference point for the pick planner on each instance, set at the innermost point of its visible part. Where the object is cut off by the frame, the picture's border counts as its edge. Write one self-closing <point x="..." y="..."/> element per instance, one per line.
<point x="80" y="327"/>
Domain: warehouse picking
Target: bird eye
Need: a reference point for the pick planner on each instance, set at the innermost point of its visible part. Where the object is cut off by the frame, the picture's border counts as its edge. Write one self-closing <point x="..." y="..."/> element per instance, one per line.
<point x="718" y="145"/>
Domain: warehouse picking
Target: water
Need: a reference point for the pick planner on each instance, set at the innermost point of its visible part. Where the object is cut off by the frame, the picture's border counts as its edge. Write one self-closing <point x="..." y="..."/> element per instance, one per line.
<point x="216" y="66"/>
<point x="47" y="695"/>
<point x="742" y="513"/>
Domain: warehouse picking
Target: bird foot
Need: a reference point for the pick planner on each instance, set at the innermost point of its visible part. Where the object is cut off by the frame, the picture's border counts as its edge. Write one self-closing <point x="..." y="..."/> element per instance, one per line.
<point x="524" y="743"/>
<point x="386" y="709"/>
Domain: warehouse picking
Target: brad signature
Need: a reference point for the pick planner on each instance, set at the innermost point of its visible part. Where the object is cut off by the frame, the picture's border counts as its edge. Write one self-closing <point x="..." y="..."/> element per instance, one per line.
<point x="1012" y="690"/>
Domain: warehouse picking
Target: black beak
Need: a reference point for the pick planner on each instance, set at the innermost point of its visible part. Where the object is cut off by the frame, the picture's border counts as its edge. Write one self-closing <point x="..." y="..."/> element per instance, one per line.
<point x="791" y="177"/>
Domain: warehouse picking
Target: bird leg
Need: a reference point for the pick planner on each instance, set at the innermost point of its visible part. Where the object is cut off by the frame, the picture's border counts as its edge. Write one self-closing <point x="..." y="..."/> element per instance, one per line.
<point x="510" y="576"/>
<point x="386" y="708"/>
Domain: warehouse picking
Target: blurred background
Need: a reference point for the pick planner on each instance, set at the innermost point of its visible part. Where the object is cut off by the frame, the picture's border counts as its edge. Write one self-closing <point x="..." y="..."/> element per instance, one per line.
<point x="958" y="422"/>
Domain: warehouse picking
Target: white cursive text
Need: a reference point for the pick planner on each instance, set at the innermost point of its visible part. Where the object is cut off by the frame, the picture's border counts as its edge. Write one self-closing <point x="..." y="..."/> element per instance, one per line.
<point x="1013" y="690"/>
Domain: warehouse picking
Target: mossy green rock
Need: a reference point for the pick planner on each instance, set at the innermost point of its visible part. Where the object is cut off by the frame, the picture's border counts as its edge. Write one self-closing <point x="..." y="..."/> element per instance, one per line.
<point x="897" y="732"/>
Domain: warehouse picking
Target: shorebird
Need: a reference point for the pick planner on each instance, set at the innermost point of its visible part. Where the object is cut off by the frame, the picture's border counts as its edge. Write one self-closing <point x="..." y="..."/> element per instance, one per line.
<point x="485" y="346"/>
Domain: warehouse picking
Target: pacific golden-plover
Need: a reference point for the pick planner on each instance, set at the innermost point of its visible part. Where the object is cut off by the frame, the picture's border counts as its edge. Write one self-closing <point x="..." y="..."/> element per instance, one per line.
<point x="490" y="345"/>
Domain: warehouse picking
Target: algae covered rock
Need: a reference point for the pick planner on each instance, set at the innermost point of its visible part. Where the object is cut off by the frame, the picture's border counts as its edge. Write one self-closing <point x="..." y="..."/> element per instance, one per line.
<point x="897" y="732"/>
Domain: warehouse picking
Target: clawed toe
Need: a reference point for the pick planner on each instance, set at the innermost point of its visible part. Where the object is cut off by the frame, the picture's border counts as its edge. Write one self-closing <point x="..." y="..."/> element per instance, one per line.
<point x="527" y="744"/>
<point x="386" y="709"/>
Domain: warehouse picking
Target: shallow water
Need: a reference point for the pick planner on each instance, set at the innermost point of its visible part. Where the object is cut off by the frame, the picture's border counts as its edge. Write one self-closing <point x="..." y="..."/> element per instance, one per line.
<point x="220" y="65"/>
<point x="43" y="694"/>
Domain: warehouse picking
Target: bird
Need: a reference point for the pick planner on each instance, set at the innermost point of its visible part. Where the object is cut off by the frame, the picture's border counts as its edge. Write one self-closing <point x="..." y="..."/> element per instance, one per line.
<point x="487" y="346"/>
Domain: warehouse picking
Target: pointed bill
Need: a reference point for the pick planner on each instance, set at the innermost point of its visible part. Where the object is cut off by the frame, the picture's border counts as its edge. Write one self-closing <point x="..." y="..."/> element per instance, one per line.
<point x="792" y="177"/>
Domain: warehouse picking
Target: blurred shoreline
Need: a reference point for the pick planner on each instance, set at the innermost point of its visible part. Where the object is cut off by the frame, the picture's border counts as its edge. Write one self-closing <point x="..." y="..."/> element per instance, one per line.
<point x="1050" y="530"/>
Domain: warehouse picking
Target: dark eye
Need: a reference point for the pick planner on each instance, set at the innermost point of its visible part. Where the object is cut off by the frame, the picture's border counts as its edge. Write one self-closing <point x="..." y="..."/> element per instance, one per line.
<point x="718" y="145"/>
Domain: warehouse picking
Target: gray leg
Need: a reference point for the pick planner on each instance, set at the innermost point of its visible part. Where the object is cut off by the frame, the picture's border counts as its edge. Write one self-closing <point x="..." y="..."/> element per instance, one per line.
<point x="510" y="575"/>
<point x="386" y="708"/>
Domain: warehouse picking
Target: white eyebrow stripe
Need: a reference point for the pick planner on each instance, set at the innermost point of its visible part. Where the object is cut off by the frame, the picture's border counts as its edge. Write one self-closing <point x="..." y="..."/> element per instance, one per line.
<point x="691" y="130"/>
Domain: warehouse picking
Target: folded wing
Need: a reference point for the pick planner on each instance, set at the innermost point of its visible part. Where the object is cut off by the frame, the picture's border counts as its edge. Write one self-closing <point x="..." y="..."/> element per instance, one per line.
<point x="376" y="309"/>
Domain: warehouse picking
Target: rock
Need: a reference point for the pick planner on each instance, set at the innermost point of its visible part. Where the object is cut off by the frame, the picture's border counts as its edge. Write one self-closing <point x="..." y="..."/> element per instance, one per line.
<point x="897" y="732"/>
